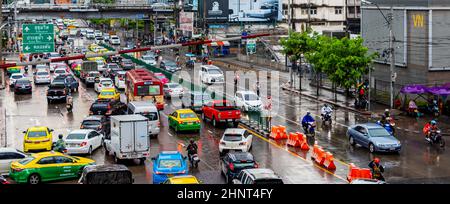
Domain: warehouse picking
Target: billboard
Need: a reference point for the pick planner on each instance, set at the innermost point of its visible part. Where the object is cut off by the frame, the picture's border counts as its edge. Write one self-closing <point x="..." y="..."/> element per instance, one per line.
<point x="255" y="10"/>
<point x="216" y="10"/>
<point x="187" y="21"/>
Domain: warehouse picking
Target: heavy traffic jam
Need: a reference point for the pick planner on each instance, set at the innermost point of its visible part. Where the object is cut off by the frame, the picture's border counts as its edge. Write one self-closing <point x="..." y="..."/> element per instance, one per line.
<point x="136" y="117"/>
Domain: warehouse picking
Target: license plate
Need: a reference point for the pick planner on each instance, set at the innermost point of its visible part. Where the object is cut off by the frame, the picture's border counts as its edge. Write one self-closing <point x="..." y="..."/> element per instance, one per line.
<point x="37" y="142"/>
<point x="392" y="148"/>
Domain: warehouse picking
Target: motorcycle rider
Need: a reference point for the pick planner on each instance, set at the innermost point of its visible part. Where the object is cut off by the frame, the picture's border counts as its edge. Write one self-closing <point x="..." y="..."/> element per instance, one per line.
<point x="377" y="169"/>
<point x="191" y="149"/>
<point x="326" y="109"/>
<point x="429" y="128"/>
<point x="69" y="102"/>
<point x="60" y="144"/>
<point x="306" y="120"/>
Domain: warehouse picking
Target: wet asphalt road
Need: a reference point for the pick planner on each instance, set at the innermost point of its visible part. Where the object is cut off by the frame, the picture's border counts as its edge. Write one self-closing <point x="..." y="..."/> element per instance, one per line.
<point x="417" y="162"/>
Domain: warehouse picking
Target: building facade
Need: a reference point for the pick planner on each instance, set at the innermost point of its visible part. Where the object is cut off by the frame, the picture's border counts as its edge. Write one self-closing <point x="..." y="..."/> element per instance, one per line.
<point x="323" y="15"/>
<point x="422" y="40"/>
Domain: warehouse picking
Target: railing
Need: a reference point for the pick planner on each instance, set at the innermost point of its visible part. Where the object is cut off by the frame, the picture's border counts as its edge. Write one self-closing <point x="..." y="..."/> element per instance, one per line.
<point x="122" y="5"/>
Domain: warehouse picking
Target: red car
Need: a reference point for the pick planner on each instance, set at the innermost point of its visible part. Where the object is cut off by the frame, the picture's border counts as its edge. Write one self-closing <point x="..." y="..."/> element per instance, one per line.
<point x="162" y="78"/>
<point x="221" y="111"/>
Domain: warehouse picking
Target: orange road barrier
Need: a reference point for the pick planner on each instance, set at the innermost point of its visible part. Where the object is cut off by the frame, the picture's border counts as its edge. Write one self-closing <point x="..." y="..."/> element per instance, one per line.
<point x="278" y="132"/>
<point x="318" y="154"/>
<point x="294" y="140"/>
<point x="304" y="145"/>
<point x="358" y="173"/>
<point x="329" y="161"/>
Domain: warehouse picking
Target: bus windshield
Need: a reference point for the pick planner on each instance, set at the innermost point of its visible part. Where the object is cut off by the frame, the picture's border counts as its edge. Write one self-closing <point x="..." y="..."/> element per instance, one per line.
<point x="147" y="90"/>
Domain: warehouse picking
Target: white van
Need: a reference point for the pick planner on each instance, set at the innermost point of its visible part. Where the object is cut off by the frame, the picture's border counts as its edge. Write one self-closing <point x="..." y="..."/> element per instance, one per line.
<point x="149" y="110"/>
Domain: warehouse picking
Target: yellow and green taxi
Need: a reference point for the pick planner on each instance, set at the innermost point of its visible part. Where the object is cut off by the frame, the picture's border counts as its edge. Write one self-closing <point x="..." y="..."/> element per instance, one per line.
<point x="109" y="93"/>
<point x="92" y="46"/>
<point x="37" y="138"/>
<point x="15" y="69"/>
<point x="182" y="180"/>
<point x="184" y="119"/>
<point x="47" y="166"/>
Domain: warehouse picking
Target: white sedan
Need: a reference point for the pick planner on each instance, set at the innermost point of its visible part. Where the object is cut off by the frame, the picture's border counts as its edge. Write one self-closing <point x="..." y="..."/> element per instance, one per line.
<point x="149" y="59"/>
<point x="236" y="139"/>
<point x="173" y="90"/>
<point x="247" y="101"/>
<point x="8" y="155"/>
<point x="60" y="72"/>
<point x="83" y="141"/>
<point x="14" y="77"/>
<point x="119" y="79"/>
<point x="103" y="83"/>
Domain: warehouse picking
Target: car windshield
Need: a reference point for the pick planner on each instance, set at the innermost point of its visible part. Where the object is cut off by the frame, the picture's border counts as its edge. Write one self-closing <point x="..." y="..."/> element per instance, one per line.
<point x="94" y="74"/>
<point x="16" y="76"/>
<point x="60" y="71"/>
<point x="378" y="132"/>
<point x="42" y="73"/>
<point x="91" y="123"/>
<point x="151" y="116"/>
<point x="214" y="71"/>
<point x="26" y="160"/>
<point x="37" y="134"/>
<point x="172" y="86"/>
<point x="202" y="97"/>
<point x="160" y="76"/>
<point x="76" y="136"/>
<point x="250" y="97"/>
<point x="22" y="82"/>
<point x="170" y="63"/>
<point x="169" y="163"/>
<point x="232" y="137"/>
<point x="187" y="115"/>
<point x="148" y="58"/>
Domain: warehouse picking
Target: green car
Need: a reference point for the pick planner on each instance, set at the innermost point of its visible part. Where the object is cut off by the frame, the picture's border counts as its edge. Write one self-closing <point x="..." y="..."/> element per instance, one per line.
<point x="47" y="166"/>
<point x="12" y="70"/>
<point x="184" y="119"/>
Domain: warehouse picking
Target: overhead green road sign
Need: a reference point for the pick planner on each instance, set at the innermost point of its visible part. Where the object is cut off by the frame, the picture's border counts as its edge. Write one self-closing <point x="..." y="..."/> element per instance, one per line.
<point x="37" y="38"/>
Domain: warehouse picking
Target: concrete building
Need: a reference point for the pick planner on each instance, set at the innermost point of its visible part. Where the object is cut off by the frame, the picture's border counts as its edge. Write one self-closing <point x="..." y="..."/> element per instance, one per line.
<point x="353" y="16"/>
<point x="422" y="41"/>
<point x="323" y="14"/>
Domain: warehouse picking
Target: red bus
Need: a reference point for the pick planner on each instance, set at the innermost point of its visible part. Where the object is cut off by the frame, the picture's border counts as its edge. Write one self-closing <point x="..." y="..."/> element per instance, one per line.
<point x="142" y="85"/>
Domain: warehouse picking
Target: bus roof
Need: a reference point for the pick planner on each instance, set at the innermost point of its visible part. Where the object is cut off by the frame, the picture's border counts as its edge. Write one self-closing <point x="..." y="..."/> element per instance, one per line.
<point x="142" y="76"/>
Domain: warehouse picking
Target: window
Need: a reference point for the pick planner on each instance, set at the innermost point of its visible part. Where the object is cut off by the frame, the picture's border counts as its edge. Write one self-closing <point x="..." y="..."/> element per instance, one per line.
<point x="304" y="11"/>
<point x="337" y="10"/>
<point x="46" y="160"/>
<point x="313" y="11"/>
<point x="148" y="90"/>
<point x="351" y="10"/>
<point x="60" y="160"/>
<point x="170" y="163"/>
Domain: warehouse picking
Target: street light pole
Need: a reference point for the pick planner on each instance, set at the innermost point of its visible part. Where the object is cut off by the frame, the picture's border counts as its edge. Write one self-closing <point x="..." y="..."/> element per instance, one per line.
<point x="291" y="73"/>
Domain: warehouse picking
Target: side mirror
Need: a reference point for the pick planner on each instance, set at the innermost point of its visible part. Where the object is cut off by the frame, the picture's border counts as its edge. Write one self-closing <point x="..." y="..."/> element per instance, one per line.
<point x="153" y="158"/>
<point x="24" y="132"/>
<point x="51" y="130"/>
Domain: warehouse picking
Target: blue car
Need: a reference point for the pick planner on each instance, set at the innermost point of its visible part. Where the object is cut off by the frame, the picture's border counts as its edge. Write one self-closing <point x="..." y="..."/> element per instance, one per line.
<point x="374" y="137"/>
<point x="168" y="164"/>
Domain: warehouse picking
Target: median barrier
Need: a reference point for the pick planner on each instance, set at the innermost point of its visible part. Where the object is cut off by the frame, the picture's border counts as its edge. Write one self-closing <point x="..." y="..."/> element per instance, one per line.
<point x="358" y="173"/>
<point x="318" y="154"/>
<point x="329" y="161"/>
<point x="293" y="140"/>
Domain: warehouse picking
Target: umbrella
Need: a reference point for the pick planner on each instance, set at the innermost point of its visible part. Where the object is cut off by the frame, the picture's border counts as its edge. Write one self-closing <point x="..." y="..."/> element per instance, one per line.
<point x="413" y="89"/>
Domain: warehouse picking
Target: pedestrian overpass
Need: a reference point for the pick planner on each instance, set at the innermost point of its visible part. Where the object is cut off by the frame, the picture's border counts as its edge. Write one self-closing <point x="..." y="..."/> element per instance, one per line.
<point x="80" y="11"/>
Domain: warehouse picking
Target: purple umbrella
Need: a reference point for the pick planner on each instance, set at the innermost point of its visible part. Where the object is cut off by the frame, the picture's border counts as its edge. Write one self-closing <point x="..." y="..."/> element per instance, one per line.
<point x="446" y="85"/>
<point x="414" y="89"/>
<point x="439" y="90"/>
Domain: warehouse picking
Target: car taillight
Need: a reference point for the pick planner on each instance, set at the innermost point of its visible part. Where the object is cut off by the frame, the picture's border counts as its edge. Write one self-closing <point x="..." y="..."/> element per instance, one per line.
<point x="46" y="140"/>
<point x="5" y="182"/>
<point x="170" y="91"/>
<point x="99" y="127"/>
<point x="180" y="122"/>
<point x="242" y="143"/>
<point x="256" y="165"/>
<point x="99" y="85"/>
<point x="83" y="144"/>
<point x="231" y="166"/>
<point x="91" y="113"/>
<point x="159" y="124"/>
<point x="28" y="141"/>
<point x="182" y="172"/>
<point x="222" y="143"/>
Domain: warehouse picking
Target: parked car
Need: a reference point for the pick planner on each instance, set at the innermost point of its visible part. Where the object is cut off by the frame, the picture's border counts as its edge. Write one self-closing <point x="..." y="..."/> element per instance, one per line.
<point x="23" y="86"/>
<point x="167" y="164"/>
<point x="195" y="100"/>
<point x="41" y="167"/>
<point x="107" y="107"/>
<point x="102" y="84"/>
<point x="38" y="138"/>
<point x="8" y="155"/>
<point x="102" y="174"/>
<point x="257" y="176"/>
<point x="42" y="76"/>
<point x="221" y="111"/>
<point x="83" y="141"/>
<point x="100" y="123"/>
<point x="247" y="101"/>
<point x="234" y="162"/>
<point x="235" y="139"/>
<point x="210" y="74"/>
<point x="374" y="137"/>
<point x="14" y="77"/>
<point x="173" y="90"/>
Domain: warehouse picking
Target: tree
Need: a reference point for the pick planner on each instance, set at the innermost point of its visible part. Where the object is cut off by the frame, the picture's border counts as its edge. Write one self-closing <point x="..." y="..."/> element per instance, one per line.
<point x="298" y="44"/>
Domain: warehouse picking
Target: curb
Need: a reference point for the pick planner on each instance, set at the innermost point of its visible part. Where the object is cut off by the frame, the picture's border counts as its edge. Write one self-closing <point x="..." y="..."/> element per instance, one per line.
<point x="327" y="101"/>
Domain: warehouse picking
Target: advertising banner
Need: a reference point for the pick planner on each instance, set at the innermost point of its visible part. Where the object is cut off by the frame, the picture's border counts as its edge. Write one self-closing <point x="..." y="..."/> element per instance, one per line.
<point x="187" y="21"/>
<point x="216" y="10"/>
<point x="255" y="10"/>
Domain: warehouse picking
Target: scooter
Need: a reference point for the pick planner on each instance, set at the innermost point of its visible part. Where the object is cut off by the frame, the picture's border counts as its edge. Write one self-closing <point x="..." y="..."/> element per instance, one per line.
<point x="389" y="126"/>
<point x="326" y="118"/>
<point x="309" y="128"/>
<point x="69" y="107"/>
<point x="436" y="138"/>
<point x="194" y="160"/>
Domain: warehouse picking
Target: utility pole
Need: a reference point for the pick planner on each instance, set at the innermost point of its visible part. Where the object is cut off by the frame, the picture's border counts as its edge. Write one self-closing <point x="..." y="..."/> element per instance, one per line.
<point x="392" y="56"/>
<point x="291" y="73"/>
<point x="2" y="77"/>
<point x="155" y="23"/>
<point x="309" y="14"/>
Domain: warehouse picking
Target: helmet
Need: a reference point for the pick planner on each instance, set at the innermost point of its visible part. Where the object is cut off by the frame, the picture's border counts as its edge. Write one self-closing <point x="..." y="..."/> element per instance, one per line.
<point x="60" y="136"/>
<point x="433" y="122"/>
<point x="191" y="141"/>
<point x="308" y="113"/>
<point x="376" y="160"/>
<point x="386" y="110"/>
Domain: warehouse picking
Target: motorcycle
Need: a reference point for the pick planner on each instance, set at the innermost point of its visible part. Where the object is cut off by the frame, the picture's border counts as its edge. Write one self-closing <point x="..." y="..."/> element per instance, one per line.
<point x="436" y="138"/>
<point x="326" y="118"/>
<point x="194" y="160"/>
<point x="309" y="128"/>
<point x="69" y="107"/>
<point x="361" y="103"/>
<point x="389" y="126"/>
